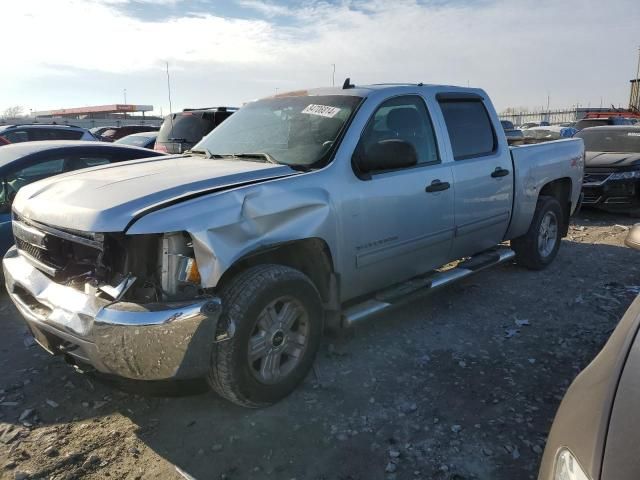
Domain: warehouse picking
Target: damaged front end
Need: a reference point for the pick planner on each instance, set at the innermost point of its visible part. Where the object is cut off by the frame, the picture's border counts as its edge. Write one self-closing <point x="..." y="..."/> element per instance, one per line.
<point x="129" y="305"/>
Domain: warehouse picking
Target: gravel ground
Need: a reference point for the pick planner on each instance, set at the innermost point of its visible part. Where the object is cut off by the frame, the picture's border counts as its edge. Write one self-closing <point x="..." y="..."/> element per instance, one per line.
<point x="459" y="385"/>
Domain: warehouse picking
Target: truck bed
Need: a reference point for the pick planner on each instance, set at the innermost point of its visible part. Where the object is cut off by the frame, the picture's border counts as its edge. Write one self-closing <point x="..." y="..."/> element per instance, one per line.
<point x="536" y="165"/>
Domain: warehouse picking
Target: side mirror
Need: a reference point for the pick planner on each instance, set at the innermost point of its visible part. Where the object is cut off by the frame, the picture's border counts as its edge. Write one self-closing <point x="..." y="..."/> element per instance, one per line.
<point x="633" y="237"/>
<point x="387" y="155"/>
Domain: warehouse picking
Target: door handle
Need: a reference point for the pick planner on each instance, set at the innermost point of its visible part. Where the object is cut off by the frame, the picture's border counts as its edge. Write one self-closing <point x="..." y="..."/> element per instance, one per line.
<point x="437" y="186"/>
<point x="500" y="172"/>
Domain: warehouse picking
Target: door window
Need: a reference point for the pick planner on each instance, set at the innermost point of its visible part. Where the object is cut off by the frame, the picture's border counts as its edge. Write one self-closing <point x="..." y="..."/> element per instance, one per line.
<point x="470" y="129"/>
<point x="403" y="118"/>
<point x="54" y="134"/>
<point x="16" y="180"/>
<point x="16" y="136"/>
<point x="86" y="161"/>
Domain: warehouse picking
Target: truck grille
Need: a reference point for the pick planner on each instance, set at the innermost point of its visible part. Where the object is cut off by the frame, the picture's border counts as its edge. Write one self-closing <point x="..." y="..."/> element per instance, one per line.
<point x="595" y="178"/>
<point x="56" y="252"/>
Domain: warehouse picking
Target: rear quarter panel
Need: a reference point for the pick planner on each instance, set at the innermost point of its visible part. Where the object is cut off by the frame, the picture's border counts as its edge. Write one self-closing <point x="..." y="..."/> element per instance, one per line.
<point x="537" y="165"/>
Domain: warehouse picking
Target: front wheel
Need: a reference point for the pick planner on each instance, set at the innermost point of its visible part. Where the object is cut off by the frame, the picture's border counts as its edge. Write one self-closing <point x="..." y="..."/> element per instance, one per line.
<point x="277" y="312"/>
<point x="539" y="246"/>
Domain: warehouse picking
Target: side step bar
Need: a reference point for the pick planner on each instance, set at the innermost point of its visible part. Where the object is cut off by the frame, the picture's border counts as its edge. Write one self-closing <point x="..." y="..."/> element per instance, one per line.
<point x="424" y="284"/>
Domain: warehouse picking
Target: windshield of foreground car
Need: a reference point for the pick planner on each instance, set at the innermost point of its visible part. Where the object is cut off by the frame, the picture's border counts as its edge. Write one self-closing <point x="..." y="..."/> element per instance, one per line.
<point x="293" y="130"/>
<point x="611" y="140"/>
<point x="135" y="140"/>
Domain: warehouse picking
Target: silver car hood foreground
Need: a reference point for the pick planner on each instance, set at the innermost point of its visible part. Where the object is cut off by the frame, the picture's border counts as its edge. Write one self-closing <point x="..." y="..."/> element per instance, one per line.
<point x="110" y="198"/>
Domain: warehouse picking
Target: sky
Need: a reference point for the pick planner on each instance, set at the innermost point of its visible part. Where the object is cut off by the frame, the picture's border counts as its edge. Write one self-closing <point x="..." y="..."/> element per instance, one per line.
<point x="72" y="53"/>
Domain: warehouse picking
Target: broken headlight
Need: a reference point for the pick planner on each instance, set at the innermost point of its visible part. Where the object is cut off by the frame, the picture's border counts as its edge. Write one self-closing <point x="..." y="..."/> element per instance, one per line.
<point x="568" y="468"/>
<point x="179" y="274"/>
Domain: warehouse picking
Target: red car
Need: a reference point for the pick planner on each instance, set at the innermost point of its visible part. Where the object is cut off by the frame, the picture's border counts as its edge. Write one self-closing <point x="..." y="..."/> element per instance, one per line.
<point x="115" y="133"/>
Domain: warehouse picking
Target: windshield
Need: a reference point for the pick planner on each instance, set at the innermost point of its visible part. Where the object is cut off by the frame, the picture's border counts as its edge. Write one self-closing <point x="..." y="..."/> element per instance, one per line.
<point x="135" y="140"/>
<point x="291" y="130"/>
<point x="624" y="140"/>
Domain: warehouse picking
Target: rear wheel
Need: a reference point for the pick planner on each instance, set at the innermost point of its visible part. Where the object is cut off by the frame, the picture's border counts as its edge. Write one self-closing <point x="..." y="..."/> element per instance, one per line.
<point x="539" y="246"/>
<point x="277" y="312"/>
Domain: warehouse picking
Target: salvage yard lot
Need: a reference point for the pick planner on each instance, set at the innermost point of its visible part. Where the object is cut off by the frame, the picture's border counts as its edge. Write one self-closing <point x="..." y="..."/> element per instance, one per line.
<point x="459" y="385"/>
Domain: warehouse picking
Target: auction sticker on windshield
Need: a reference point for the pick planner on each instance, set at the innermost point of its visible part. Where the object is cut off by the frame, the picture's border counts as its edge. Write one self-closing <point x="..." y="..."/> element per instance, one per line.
<point x="321" y="110"/>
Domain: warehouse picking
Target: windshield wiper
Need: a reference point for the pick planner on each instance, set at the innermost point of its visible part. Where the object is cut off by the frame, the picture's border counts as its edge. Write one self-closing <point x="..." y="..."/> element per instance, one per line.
<point x="205" y="152"/>
<point x="258" y="155"/>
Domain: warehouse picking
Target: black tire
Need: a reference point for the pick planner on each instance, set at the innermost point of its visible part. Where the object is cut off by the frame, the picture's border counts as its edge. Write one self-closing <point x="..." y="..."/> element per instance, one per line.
<point x="244" y="298"/>
<point x="527" y="247"/>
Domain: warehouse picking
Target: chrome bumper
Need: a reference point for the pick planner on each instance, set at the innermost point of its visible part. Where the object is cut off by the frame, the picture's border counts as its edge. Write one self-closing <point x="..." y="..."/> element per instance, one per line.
<point x="142" y="342"/>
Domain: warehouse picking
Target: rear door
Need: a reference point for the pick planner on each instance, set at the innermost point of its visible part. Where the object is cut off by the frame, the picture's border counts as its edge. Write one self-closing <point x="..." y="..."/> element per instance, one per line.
<point x="482" y="173"/>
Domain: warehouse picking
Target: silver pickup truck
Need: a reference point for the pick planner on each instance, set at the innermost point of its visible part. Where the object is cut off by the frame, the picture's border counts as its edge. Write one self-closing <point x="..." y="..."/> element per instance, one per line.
<point x="309" y="210"/>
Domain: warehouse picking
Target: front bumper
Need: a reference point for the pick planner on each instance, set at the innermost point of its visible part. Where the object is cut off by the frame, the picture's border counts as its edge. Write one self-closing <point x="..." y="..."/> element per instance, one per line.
<point x="142" y="342"/>
<point x="612" y="194"/>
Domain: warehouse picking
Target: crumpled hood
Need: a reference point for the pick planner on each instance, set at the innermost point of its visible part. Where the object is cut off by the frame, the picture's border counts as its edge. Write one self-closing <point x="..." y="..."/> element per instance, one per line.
<point x="611" y="160"/>
<point x="108" y="198"/>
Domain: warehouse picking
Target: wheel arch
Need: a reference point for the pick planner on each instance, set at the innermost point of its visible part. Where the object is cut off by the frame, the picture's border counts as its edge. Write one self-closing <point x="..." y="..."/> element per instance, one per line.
<point x="560" y="189"/>
<point x="311" y="256"/>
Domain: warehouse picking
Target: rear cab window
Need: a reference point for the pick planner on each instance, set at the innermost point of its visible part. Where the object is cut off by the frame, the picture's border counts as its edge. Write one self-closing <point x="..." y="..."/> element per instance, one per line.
<point x="187" y="127"/>
<point x="470" y="128"/>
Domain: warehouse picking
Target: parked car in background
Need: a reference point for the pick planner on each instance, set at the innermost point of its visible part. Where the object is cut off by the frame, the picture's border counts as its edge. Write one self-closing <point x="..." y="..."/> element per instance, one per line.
<point x="97" y="131"/>
<point x="596" y="431"/>
<point x="600" y="122"/>
<point x="115" y="133"/>
<point x="299" y="212"/>
<point x="181" y="131"/>
<point x="612" y="168"/>
<point x="40" y="132"/>
<point x="513" y="134"/>
<point x="142" y="139"/>
<point x="24" y="163"/>
<point x="547" y="133"/>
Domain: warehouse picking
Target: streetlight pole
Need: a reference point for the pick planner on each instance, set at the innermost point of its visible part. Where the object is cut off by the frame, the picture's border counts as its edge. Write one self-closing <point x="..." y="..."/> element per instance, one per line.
<point x="333" y="75"/>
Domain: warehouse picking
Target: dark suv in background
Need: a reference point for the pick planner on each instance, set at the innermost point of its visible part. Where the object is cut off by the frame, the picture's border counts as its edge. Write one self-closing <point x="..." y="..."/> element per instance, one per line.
<point x="181" y="131"/>
<point x="601" y="122"/>
<point x="114" y="133"/>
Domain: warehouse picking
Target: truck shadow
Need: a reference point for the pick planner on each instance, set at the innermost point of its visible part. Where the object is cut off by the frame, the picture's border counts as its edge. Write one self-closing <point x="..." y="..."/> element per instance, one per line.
<point x="410" y="377"/>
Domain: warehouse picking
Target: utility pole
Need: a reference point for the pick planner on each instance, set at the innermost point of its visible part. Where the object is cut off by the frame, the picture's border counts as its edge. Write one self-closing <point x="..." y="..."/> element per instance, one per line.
<point x="333" y="75"/>
<point x="169" y="88"/>
<point x="125" y="95"/>
<point x="638" y="71"/>
<point x="634" y="99"/>
<point x="169" y="94"/>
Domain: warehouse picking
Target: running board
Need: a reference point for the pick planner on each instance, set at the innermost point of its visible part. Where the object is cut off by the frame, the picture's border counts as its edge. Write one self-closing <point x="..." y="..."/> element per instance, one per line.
<point x="387" y="298"/>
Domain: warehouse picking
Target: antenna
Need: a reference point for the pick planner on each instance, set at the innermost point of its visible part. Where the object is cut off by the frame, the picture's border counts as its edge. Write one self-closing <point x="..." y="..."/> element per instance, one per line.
<point x="347" y="84"/>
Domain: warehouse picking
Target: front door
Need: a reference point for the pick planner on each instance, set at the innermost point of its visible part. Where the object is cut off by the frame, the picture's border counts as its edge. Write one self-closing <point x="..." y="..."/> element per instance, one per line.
<point x="404" y="215"/>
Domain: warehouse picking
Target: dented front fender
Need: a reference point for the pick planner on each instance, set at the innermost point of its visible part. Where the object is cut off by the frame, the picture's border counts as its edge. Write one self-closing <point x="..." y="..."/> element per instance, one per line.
<point x="227" y="226"/>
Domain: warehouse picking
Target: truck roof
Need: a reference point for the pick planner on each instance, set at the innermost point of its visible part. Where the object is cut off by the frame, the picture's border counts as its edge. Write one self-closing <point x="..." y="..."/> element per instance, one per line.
<point x="367" y="90"/>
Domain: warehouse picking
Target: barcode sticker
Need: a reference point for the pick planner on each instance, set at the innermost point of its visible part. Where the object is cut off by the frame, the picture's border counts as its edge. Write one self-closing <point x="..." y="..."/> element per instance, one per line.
<point x="321" y="110"/>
